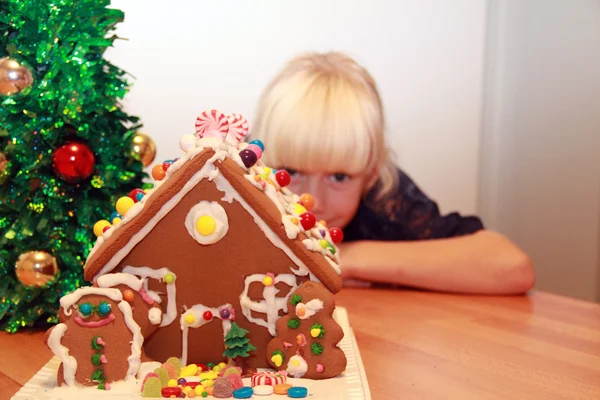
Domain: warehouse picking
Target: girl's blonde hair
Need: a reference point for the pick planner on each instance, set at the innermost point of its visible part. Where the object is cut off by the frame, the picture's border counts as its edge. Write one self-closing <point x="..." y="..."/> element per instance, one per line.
<point x="323" y="112"/>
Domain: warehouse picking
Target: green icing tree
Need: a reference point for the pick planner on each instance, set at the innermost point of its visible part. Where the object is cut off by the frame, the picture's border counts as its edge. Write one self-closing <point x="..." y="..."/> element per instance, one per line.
<point x="57" y="89"/>
<point x="237" y="345"/>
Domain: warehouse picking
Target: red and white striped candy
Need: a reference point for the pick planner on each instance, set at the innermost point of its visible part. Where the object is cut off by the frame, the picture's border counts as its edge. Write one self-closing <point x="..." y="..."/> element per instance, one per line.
<point x="211" y="123"/>
<point x="268" y="378"/>
<point x="238" y="126"/>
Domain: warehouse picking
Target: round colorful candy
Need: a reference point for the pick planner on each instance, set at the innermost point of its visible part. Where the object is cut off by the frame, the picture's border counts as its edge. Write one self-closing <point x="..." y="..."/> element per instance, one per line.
<point x="85" y="309"/>
<point x="128" y="295"/>
<point x="124" y="204"/>
<point x="207" y="315"/>
<point x="308" y="220"/>
<point x="172" y="383"/>
<point x="169" y="278"/>
<point x="104" y="309"/>
<point x="99" y="227"/>
<point x="224" y="313"/>
<point x="281" y="388"/>
<point x="115" y="215"/>
<point x="158" y="172"/>
<point x="243" y="393"/>
<point x="189" y="319"/>
<point x="308" y="201"/>
<point x="263" y="390"/>
<point x="212" y="122"/>
<point x="206" y="225"/>
<point x="187" y="142"/>
<point x="283" y="177"/>
<point x="324" y="243"/>
<point x="134" y="194"/>
<point x="167" y="164"/>
<point x="248" y="157"/>
<point x="336" y="235"/>
<point x="258" y="143"/>
<point x="171" y="391"/>
<point x="257" y="150"/>
<point x="297" y="392"/>
<point x="181" y="381"/>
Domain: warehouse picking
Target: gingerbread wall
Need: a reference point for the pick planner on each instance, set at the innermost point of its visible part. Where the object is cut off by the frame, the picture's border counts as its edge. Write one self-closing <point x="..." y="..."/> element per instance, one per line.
<point x="211" y="275"/>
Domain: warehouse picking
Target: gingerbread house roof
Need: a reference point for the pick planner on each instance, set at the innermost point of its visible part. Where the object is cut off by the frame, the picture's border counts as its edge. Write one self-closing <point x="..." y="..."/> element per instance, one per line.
<point x="274" y="208"/>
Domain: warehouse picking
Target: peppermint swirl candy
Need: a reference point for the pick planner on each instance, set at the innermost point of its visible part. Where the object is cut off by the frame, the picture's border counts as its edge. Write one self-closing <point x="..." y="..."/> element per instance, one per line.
<point x="238" y="127"/>
<point x="212" y="123"/>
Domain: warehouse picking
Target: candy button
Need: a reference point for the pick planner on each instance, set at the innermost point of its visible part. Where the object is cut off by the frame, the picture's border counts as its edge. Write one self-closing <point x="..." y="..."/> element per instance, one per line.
<point x="299" y="209"/>
<point x="307" y="201"/>
<point x="158" y="172"/>
<point x="258" y="143"/>
<point x="307" y="220"/>
<point x="189" y="319"/>
<point x="124" y="204"/>
<point x="257" y="150"/>
<point x="283" y="178"/>
<point x="248" y="157"/>
<point x="243" y="393"/>
<point x="99" y="227"/>
<point x="267" y="281"/>
<point x="128" y="295"/>
<point x="206" y="225"/>
<point x="207" y="315"/>
<point x="281" y="388"/>
<point x="263" y="390"/>
<point x="169" y="278"/>
<point x="297" y="392"/>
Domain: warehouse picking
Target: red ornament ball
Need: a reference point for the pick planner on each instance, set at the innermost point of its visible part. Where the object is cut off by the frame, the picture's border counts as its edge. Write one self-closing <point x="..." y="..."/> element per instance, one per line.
<point x="308" y="220"/>
<point x="207" y="315"/>
<point x="73" y="162"/>
<point x="336" y="235"/>
<point x="283" y="177"/>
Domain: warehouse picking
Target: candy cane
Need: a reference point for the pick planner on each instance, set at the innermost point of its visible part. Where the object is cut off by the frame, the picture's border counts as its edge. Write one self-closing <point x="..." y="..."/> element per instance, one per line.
<point x="238" y="126"/>
<point x="211" y="123"/>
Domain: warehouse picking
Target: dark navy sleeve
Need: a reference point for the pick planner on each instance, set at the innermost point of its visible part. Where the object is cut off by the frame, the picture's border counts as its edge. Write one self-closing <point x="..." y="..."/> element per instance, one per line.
<point x="407" y="214"/>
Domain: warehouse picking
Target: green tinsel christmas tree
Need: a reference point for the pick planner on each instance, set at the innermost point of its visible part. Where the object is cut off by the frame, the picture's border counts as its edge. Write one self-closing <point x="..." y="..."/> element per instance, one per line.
<point x="65" y="149"/>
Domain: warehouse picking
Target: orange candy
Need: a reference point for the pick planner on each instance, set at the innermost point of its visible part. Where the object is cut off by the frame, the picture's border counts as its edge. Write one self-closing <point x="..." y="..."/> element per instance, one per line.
<point x="323" y="222"/>
<point x="209" y="390"/>
<point x="128" y="296"/>
<point x="158" y="172"/>
<point x="257" y="178"/>
<point x="281" y="388"/>
<point x="294" y="221"/>
<point x="307" y="201"/>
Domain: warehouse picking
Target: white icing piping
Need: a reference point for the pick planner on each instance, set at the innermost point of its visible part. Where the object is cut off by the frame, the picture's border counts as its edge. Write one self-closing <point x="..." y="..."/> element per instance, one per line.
<point x="155" y="315"/>
<point x="297" y="371"/>
<point x="310" y="308"/>
<point x="134" y="359"/>
<point x="271" y="303"/>
<point x="198" y="311"/>
<point x="69" y="362"/>
<point x="112" y="280"/>
<point x="230" y="193"/>
<point x="69" y="300"/>
<point x="158" y="274"/>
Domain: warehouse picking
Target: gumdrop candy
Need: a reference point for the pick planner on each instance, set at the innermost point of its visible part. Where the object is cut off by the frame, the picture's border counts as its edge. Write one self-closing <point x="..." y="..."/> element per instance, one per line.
<point x="148" y="376"/>
<point x="176" y="362"/>
<point x="222" y="388"/>
<point x="171" y="370"/>
<point x="163" y="375"/>
<point x="152" y="388"/>
<point x="236" y="381"/>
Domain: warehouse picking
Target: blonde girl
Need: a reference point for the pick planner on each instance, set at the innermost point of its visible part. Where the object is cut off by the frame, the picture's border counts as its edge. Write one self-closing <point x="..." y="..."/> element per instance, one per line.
<point x="322" y="119"/>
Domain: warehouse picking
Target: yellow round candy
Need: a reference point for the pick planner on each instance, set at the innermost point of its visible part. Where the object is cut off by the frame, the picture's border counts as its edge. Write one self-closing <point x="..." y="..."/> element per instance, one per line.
<point x="189" y="319"/>
<point x="187" y="390"/>
<point x="298" y="209"/>
<point x="217" y="368"/>
<point x="267" y="281"/>
<point x="222" y="365"/>
<point x="172" y="383"/>
<point x="169" y="278"/>
<point x="116" y="220"/>
<point x="267" y="170"/>
<point x="277" y="360"/>
<point x="124" y="204"/>
<point x="315" y="332"/>
<point x="99" y="227"/>
<point x="191" y="393"/>
<point x="324" y="243"/>
<point x="198" y="390"/>
<point x="206" y="225"/>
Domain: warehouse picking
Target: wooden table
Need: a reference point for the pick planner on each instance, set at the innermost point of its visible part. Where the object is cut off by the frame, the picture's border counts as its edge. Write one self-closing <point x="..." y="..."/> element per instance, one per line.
<point x="418" y="345"/>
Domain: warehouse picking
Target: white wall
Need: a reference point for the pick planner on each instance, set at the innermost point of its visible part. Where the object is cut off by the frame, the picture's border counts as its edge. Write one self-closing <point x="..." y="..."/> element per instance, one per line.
<point x="541" y="142"/>
<point x="426" y="56"/>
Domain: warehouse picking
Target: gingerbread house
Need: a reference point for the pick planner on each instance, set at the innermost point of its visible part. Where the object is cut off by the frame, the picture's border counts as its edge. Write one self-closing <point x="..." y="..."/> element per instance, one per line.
<point x="218" y="239"/>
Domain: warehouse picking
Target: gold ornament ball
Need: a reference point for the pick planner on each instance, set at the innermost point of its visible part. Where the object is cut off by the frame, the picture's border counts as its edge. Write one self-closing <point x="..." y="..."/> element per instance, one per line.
<point x="14" y="77"/>
<point x="3" y="168"/>
<point x="143" y="148"/>
<point x="36" y="268"/>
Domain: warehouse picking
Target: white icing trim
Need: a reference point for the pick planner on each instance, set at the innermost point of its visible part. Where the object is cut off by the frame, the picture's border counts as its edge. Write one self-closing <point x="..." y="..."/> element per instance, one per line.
<point x="69" y="300"/>
<point x="112" y="280"/>
<point x="310" y="308"/>
<point x="134" y="359"/>
<point x="158" y="274"/>
<point x="69" y="362"/>
<point x="271" y="303"/>
<point x="197" y="311"/>
<point x="212" y="209"/>
<point x="165" y="209"/>
<point x="155" y="315"/>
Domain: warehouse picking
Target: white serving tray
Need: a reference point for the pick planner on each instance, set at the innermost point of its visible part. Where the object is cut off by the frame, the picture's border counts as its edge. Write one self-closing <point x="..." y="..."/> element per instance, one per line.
<point x="351" y="385"/>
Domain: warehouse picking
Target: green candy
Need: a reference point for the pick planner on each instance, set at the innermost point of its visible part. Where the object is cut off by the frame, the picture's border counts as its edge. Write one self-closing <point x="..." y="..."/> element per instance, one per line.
<point x="295" y="299"/>
<point x="95" y="344"/>
<point x="293" y="323"/>
<point x="98" y="376"/>
<point x="152" y="387"/>
<point x="96" y="360"/>
<point x="316" y="349"/>
<point x="163" y="375"/>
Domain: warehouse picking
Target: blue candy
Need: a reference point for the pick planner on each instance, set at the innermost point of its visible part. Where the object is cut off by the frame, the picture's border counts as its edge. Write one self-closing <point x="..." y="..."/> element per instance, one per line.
<point x="243" y="393"/>
<point x="85" y="309"/>
<point x="297" y="392"/>
<point x="115" y="215"/>
<point x="103" y="309"/>
<point x="258" y="143"/>
<point x="139" y="196"/>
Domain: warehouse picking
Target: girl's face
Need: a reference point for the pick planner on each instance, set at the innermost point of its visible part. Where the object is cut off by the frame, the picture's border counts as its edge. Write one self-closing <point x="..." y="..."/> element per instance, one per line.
<point x="337" y="196"/>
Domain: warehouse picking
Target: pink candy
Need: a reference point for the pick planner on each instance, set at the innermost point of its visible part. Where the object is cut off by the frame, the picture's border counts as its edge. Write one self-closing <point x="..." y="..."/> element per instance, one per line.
<point x="320" y="368"/>
<point x="100" y="341"/>
<point x="256" y="150"/>
<point x="103" y="359"/>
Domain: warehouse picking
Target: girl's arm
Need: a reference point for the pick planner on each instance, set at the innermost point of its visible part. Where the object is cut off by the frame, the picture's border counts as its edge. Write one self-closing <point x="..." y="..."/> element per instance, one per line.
<point x="484" y="263"/>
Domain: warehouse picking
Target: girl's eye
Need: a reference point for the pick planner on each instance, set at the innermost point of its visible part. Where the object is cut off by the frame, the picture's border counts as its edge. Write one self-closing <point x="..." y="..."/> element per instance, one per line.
<point x="291" y="171"/>
<point x="104" y="309"/>
<point x="85" y="310"/>
<point x="339" y="177"/>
